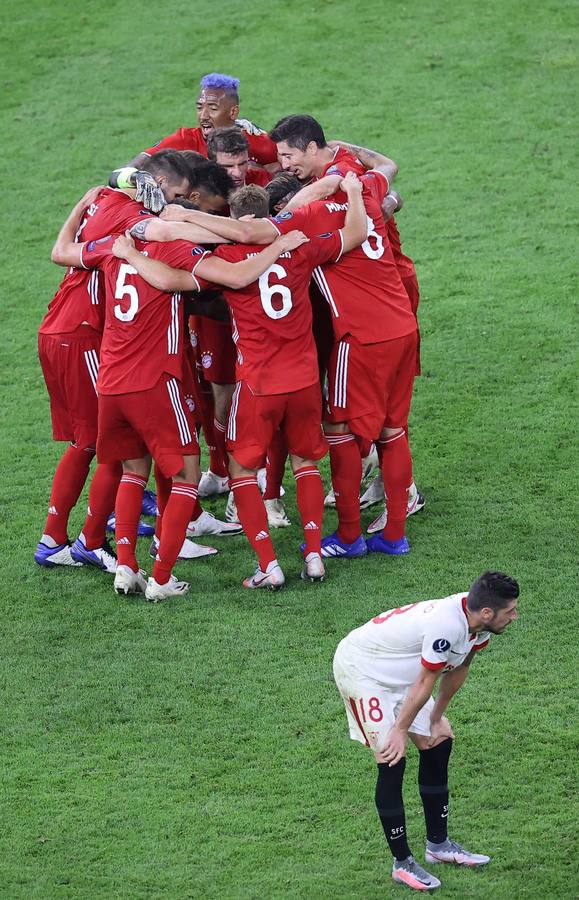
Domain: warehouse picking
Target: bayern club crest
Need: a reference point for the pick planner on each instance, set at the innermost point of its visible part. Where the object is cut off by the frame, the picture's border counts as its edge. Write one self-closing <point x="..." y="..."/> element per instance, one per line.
<point x="190" y="402"/>
<point x="206" y="359"/>
<point x="193" y="339"/>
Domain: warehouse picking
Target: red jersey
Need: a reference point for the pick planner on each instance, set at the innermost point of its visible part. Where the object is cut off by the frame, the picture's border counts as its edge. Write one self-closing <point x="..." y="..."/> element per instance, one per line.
<point x="257" y="176"/>
<point x="80" y="298"/>
<point x="345" y="162"/>
<point x="364" y="291"/>
<point x="403" y="263"/>
<point x="261" y="148"/>
<point x="342" y="163"/>
<point x="143" y="335"/>
<point x="272" y="317"/>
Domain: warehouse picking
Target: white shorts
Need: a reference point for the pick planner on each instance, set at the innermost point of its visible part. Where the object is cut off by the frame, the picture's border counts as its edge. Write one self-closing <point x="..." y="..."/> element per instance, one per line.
<point x="371" y="707"/>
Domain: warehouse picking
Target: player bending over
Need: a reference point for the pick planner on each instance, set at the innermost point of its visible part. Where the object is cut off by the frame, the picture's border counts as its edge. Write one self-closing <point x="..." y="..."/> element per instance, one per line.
<point x="386" y="671"/>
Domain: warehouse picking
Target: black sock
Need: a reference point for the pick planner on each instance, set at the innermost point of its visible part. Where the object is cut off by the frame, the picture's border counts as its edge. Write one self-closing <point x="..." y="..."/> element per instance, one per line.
<point x="390" y="807"/>
<point x="433" y="786"/>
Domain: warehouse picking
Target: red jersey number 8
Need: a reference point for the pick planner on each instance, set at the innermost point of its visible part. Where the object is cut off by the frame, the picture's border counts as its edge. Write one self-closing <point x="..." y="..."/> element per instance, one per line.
<point x="268" y="291"/>
<point x="123" y="290"/>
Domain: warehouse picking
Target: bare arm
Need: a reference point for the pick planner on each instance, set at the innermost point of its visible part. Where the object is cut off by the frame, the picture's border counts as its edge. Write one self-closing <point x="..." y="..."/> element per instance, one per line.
<point x="449" y="685"/>
<point x="162" y="230"/>
<point x="355" y="228"/>
<point x="239" y="275"/>
<point x="65" y="251"/>
<point x="232" y="275"/>
<point x="239" y="231"/>
<point x="317" y="190"/>
<point x="417" y="695"/>
<point x="370" y="159"/>
<point x="391" y="204"/>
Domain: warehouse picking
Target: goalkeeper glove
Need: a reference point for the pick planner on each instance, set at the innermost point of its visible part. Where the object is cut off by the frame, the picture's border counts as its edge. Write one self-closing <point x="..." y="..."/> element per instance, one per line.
<point x="249" y="127"/>
<point x="148" y="192"/>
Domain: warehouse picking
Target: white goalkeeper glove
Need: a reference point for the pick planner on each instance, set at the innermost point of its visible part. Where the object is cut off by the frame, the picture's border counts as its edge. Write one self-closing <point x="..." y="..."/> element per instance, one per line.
<point x="249" y="127"/>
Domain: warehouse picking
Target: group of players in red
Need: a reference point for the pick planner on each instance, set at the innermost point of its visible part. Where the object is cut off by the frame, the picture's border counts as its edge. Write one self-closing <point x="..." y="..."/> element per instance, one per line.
<point x="274" y="309"/>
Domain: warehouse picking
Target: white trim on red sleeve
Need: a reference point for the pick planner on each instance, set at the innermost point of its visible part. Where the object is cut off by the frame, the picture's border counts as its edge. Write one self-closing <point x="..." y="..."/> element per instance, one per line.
<point x="201" y="258"/>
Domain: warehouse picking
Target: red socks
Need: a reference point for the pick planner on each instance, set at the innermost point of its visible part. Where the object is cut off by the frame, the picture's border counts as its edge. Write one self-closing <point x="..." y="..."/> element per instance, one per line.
<point x="310" y="500"/>
<point x="128" y="509"/>
<point x="101" y="502"/>
<point x="346" y="468"/>
<point x="397" y="475"/>
<point x="176" y="517"/>
<point x="253" y="517"/>
<point x="67" y="484"/>
<point x="163" y="486"/>
<point x="275" y="466"/>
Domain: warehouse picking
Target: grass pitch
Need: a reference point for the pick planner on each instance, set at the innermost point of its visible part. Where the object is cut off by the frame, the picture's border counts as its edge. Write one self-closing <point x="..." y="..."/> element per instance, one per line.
<point x="199" y="748"/>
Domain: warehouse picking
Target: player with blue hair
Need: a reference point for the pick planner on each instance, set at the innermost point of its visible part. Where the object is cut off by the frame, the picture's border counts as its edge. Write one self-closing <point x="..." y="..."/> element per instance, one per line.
<point x="217" y="106"/>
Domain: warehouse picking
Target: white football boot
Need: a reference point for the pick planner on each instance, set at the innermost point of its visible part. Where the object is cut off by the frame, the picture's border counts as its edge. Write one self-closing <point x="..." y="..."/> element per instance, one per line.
<point x="155" y="592"/>
<point x="374" y="493"/>
<point x="314" y="569"/>
<point x="416" y="502"/>
<point x="189" y="550"/>
<point x="276" y="514"/>
<point x="231" y="510"/>
<point x="330" y="499"/>
<point x="210" y="484"/>
<point x="451" y="852"/>
<point x="370" y="462"/>
<point x="407" y="871"/>
<point x="207" y="523"/>
<point x="272" y="579"/>
<point x="262" y="479"/>
<point x="129" y="582"/>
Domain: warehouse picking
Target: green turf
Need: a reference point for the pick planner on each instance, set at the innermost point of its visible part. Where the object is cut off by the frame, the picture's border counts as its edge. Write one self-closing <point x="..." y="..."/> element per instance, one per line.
<point x="199" y="748"/>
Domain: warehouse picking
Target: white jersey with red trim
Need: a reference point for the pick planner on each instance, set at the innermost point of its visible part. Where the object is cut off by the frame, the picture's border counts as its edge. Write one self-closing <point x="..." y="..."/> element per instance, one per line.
<point x="391" y="648"/>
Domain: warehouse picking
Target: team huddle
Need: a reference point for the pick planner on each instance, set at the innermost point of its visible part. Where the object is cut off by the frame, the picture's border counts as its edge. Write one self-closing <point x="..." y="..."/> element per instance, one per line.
<point x="251" y="286"/>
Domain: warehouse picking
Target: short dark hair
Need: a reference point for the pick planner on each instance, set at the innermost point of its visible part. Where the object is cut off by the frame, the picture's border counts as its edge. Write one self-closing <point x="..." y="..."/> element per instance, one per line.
<point x="298" y="131"/>
<point x="227" y="139"/>
<point x="168" y="162"/>
<point x="494" y="590"/>
<point x="250" y="199"/>
<point x="193" y="158"/>
<point x="212" y="178"/>
<point x="282" y="186"/>
<point x="182" y="201"/>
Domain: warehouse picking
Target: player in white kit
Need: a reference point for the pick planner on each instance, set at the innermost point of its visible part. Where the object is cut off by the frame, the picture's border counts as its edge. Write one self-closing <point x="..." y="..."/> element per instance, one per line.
<point x="386" y="671"/>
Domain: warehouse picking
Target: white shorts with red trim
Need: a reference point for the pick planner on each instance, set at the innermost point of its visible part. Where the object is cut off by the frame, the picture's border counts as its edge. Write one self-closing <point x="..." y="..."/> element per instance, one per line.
<point x="371" y="707"/>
